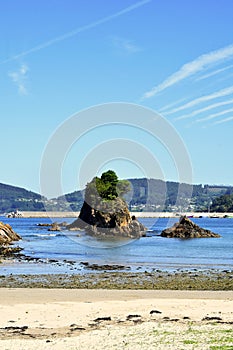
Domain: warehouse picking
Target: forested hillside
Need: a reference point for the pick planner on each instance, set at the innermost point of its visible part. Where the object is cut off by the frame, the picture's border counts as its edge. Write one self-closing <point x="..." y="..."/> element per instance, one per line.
<point x="13" y="198"/>
<point x="144" y="195"/>
<point x="223" y="203"/>
<point x="157" y="195"/>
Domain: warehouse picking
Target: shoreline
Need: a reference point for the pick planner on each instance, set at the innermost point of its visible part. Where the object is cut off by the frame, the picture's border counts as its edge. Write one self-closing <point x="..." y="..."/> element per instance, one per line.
<point x="70" y="214"/>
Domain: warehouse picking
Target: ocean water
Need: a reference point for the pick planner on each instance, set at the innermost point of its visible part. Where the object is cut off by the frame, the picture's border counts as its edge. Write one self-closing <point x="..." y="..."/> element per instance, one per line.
<point x="64" y="252"/>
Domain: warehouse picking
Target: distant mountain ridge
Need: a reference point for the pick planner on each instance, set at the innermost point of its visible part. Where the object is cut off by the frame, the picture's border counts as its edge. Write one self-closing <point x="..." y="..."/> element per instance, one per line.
<point x="145" y="195"/>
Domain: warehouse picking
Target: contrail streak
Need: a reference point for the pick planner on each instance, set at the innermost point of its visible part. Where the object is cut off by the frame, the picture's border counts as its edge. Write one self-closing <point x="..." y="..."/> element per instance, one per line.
<point x="77" y="31"/>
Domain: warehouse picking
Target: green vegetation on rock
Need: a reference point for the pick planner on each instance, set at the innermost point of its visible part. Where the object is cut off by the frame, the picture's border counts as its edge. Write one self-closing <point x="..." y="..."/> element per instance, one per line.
<point x="107" y="187"/>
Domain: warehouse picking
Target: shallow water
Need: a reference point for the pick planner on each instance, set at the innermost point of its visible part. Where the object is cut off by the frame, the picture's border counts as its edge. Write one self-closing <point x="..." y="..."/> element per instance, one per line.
<point x="152" y="252"/>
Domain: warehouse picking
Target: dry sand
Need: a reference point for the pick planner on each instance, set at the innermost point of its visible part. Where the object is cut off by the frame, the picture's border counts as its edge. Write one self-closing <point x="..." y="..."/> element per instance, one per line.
<point x="115" y="319"/>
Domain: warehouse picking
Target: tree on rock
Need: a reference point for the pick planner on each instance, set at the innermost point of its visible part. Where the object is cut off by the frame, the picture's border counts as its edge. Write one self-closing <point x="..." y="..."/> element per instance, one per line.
<point x="108" y="187"/>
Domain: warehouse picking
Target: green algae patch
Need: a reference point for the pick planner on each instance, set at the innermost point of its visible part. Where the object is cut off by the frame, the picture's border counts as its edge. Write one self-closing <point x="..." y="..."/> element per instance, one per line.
<point x="207" y="280"/>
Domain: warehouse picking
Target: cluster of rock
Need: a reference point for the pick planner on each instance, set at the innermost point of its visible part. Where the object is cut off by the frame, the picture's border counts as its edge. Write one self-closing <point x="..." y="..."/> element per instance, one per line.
<point x="185" y="228"/>
<point x="54" y="226"/>
<point x="7" y="236"/>
<point x="110" y="218"/>
<point x="57" y="227"/>
<point x="104" y="267"/>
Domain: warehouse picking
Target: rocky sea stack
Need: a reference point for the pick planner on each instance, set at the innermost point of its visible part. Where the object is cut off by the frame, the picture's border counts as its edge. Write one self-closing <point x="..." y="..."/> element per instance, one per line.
<point x="104" y="212"/>
<point x="185" y="228"/>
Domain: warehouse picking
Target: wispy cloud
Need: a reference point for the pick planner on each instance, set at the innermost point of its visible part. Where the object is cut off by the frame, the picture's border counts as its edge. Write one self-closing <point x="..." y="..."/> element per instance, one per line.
<point x="215" y="115"/>
<point x="205" y="98"/>
<point x="78" y="30"/>
<point x="168" y="106"/>
<point x="206" y="109"/>
<point x="225" y="77"/>
<point x="19" y="78"/>
<point x="214" y="73"/>
<point x="126" y="46"/>
<point x="189" y="69"/>
<point x="224" y="120"/>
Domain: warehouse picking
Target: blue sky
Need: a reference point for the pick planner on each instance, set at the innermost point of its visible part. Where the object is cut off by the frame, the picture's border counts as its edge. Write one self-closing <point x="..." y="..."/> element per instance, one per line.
<point x="60" y="57"/>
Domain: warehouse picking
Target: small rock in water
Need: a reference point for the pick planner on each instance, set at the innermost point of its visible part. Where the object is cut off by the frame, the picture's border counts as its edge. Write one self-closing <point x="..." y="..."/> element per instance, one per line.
<point x="185" y="228"/>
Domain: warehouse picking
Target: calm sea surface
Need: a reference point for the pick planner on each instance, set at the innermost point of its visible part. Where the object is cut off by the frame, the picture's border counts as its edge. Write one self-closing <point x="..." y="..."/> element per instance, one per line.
<point x="67" y="250"/>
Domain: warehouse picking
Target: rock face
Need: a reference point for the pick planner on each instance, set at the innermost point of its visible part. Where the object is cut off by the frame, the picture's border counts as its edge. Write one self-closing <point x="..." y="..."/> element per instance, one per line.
<point x="111" y="218"/>
<point x="185" y="228"/>
<point x="7" y="234"/>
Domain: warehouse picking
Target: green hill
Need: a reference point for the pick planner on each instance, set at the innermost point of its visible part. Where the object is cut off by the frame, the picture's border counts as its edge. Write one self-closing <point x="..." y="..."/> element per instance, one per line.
<point x="12" y="198"/>
<point x="156" y="195"/>
<point x="223" y="203"/>
<point x="145" y="195"/>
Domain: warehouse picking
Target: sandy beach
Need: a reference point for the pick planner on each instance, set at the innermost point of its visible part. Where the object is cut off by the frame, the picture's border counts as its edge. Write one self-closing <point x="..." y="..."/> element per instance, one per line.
<point x="115" y="319"/>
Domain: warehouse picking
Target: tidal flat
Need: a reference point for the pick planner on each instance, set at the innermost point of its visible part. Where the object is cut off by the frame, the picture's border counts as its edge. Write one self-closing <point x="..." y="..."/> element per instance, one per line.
<point x="158" y="280"/>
